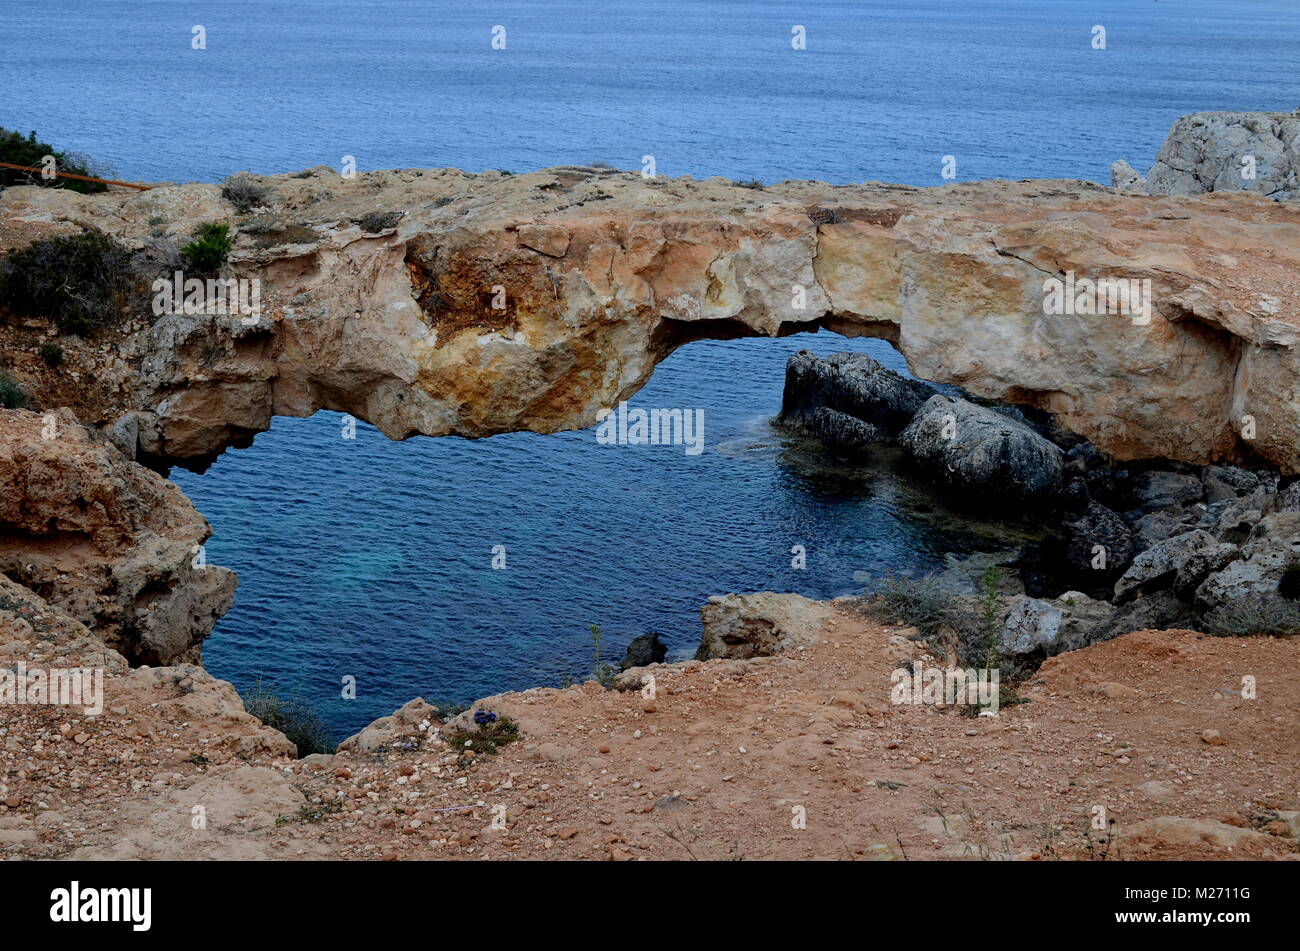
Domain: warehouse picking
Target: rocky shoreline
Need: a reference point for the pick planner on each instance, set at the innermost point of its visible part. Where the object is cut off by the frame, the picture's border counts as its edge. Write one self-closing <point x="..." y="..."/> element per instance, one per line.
<point x="374" y="289"/>
<point x="1132" y="546"/>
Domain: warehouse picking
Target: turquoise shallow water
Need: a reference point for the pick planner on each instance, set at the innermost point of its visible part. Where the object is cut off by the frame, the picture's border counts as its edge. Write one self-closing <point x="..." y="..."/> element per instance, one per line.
<point x="371" y="558"/>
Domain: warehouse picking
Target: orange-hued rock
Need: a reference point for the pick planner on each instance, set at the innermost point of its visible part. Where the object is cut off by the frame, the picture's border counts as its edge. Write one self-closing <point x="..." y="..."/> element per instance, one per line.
<point x="110" y="542"/>
<point x="530" y="302"/>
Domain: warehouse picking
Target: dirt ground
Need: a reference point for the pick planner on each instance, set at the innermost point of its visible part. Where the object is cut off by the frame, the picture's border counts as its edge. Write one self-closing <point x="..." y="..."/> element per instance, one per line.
<point x="795" y="757"/>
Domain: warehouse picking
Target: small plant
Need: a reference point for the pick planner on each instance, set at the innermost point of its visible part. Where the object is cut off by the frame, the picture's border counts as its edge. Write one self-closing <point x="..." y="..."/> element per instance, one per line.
<point x="991" y="617"/>
<point x="12" y="396"/>
<point x="601" y="672"/>
<point x="494" y="731"/>
<point x="293" y="718"/>
<point x="750" y="183"/>
<point x="51" y="354"/>
<point x="1289" y="584"/>
<point x="82" y="281"/>
<point x="826" y="216"/>
<point x="210" y="248"/>
<point x="1254" y="614"/>
<point x="197" y="759"/>
<point x="379" y="221"/>
<point x="244" y="192"/>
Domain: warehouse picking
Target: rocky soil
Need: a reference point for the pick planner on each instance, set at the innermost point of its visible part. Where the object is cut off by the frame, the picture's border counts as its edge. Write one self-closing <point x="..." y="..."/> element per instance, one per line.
<point x="1152" y="728"/>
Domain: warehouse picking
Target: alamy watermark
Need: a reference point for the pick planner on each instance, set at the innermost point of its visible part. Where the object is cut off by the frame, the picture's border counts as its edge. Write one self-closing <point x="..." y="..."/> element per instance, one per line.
<point x="950" y="686"/>
<point x="241" y="297"/>
<point x="656" y="427"/>
<point x="37" y="686"/>
<point x="1107" y="295"/>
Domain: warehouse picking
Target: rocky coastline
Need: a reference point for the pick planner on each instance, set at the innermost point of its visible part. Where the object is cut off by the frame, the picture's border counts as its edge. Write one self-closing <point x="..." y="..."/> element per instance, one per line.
<point x="378" y="301"/>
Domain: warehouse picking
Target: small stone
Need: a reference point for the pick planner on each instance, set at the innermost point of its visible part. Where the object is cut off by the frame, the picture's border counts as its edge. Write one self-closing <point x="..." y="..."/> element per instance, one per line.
<point x="1212" y="737"/>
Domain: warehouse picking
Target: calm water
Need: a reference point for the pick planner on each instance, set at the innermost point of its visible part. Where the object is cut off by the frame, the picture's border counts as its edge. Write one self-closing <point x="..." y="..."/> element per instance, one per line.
<point x="372" y="558"/>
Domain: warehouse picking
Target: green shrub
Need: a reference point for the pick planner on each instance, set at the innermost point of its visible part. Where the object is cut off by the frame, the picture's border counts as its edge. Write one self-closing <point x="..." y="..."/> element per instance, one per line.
<point x="487" y="739"/>
<point x="601" y="672"/>
<point x="244" y="192"/>
<point x="19" y="150"/>
<point x="12" y="396"/>
<point x="293" y="718"/>
<point x="1254" y="614"/>
<point x="81" y="281"/>
<point x="51" y="354"/>
<point x="210" y="248"/>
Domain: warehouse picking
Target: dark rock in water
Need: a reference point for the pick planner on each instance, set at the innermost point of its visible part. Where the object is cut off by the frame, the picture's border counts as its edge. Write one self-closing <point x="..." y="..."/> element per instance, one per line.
<point x="852" y="384"/>
<point x="643" y="651"/>
<point x="842" y="432"/>
<point x="998" y="459"/>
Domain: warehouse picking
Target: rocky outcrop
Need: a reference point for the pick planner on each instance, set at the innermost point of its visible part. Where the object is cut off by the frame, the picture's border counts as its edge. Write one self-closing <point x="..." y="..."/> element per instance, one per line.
<point x="105" y="539"/>
<point x="1223" y="151"/>
<point x="852" y="385"/>
<point x="978" y="450"/>
<point x="643" y="651"/>
<point x="530" y="302"/>
<point x="741" y="626"/>
<point x="1230" y="151"/>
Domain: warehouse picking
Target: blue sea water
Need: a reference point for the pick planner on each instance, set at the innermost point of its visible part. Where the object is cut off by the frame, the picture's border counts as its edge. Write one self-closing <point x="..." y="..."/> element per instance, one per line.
<point x="373" y="559"/>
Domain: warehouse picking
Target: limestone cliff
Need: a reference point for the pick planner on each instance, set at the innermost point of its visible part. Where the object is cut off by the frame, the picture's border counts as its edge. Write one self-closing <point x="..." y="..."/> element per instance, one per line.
<point x="480" y="304"/>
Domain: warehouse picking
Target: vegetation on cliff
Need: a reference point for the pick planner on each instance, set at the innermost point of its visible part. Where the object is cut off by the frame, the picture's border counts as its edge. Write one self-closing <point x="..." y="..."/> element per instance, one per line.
<point x="27" y="151"/>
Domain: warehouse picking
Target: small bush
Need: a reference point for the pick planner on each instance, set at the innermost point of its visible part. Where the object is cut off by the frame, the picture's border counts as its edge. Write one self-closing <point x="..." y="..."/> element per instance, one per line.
<point x="244" y="192"/>
<point x="12" y="396"/>
<point x="494" y="731"/>
<point x="81" y="281"/>
<point x="293" y="718"/>
<point x="753" y="183"/>
<point x="29" y="152"/>
<point x="601" y="672"/>
<point x="379" y="221"/>
<point x="210" y="248"/>
<point x="51" y="354"/>
<point x="826" y="216"/>
<point x="1254" y="614"/>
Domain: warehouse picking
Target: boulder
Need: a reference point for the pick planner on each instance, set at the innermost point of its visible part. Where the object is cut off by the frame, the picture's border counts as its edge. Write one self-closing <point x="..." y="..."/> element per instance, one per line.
<point x="1123" y="175"/>
<point x="1273" y="544"/>
<point x="741" y="626"/>
<point x="1230" y="151"/>
<point x="643" y="651"/>
<point x="1158" y="566"/>
<point x="1160" y="489"/>
<point x="1035" y="626"/>
<point x="988" y="454"/>
<point x="842" y="432"/>
<point x="850" y="384"/>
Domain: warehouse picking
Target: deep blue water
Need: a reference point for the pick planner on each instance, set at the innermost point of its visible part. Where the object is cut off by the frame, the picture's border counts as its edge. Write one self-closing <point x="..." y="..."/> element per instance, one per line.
<point x="372" y="558"/>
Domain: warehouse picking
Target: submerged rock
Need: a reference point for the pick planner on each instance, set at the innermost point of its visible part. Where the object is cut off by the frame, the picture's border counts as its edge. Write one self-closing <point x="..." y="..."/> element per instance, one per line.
<point x="972" y="448"/>
<point x="643" y="651"/>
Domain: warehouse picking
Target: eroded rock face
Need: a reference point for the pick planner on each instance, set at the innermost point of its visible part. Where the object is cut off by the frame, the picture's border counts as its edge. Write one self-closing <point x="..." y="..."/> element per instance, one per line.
<point x="530" y="302"/>
<point x="106" y="540"/>
<point x="1228" y="151"/>
<point x="742" y="626"/>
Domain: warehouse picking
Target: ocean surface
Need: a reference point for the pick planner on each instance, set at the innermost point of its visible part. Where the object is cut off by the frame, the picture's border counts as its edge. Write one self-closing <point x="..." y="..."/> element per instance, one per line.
<point x="373" y="559"/>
